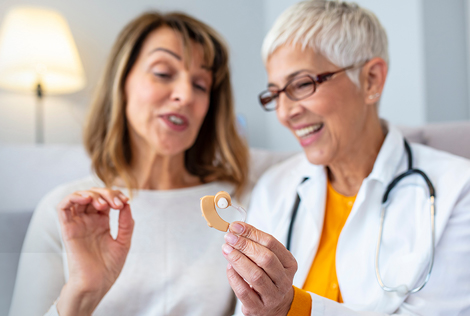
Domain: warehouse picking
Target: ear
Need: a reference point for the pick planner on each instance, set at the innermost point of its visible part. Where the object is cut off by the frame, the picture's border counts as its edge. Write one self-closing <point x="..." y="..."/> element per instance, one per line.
<point x="374" y="73"/>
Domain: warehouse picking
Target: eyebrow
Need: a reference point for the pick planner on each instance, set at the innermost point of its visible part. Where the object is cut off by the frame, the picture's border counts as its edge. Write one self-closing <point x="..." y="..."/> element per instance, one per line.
<point x="289" y="77"/>
<point x="166" y="51"/>
<point x="176" y="56"/>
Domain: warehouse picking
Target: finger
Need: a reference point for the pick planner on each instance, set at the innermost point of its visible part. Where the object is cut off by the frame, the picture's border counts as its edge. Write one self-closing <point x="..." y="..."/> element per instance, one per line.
<point x="249" y="271"/>
<point x="72" y="199"/>
<point x="68" y="207"/>
<point x="103" y="208"/>
<point x="126" y="226"/>
<point x="264" y="258"/>
<point x="65" y="215"/>
<point x="78" y="209"/>
<point x="98" y="202"/>
<point x="249" y="298"/>
<point x="268" y="241"/>
<point x="124" y="198"/>
<point x="113" y="197"/>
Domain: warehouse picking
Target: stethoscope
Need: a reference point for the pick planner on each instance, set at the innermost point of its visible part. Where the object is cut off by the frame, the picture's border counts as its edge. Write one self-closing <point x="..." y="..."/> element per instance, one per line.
<point x="401" y="289"/>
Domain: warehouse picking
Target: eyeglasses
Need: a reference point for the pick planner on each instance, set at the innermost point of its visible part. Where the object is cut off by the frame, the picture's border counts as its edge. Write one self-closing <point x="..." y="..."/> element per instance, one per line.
<point x="297" y="88"/>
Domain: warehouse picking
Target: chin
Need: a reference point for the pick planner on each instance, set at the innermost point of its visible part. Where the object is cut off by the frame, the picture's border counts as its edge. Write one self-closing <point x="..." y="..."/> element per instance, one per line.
<point x="169" y="148"/>
<point x="172" y="150"/>
<point x="317" y="156"/>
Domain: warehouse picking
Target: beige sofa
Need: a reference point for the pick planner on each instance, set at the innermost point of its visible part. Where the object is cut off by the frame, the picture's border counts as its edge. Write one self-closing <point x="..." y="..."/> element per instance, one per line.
<point x="29" y="172"/>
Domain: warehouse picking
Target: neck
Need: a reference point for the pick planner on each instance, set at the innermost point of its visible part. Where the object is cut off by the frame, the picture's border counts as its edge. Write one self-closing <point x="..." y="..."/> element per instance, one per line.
<point x="157" y="172"/>
<point x="154" y="171"/>
<point x="347" y="172"/>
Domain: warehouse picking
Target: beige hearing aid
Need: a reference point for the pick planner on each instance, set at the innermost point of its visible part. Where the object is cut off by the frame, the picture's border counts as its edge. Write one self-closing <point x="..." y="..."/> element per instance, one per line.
<point x="208" y="207"/>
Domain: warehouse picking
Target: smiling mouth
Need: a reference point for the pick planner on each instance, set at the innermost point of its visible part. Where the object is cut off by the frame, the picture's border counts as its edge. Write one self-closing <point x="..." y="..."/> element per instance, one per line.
<point x="308" y="130"/>
<point x="175" y="120"/>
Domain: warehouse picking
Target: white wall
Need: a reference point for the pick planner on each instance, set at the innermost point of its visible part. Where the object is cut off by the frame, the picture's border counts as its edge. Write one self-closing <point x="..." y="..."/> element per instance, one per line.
<point x="467" y="37"/>
<point x="280" y="138"/>
<point x="404" y="98"/>
<point x="446" y="58"/>
<point x="407" y="99"/>
<point x="95" y="25"/>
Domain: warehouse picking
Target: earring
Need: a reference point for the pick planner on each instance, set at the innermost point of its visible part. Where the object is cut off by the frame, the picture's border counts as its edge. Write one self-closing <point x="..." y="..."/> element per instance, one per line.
<point x="371" y="97"/>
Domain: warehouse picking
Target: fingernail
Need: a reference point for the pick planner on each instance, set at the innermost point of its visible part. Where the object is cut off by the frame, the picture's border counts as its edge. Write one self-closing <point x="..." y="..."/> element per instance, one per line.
<point x="227" y="249"/>
<point x="231" y="238"/>
<point x="101" y="201"/>
<point x="117" y="202"/>
<point x="237" y="228"/>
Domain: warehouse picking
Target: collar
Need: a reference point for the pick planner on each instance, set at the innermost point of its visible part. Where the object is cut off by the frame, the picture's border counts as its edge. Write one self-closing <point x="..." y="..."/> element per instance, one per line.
<point x="390" y="156"/>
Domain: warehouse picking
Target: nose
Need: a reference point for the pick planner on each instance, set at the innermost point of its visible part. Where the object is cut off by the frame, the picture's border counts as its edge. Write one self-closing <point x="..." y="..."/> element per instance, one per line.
<point x="183" y="92"/>
<point x="287" y="108"/>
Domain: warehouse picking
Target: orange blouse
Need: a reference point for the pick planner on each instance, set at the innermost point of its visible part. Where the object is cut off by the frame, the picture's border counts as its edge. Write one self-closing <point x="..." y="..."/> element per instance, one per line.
<point x="322" y="279"/>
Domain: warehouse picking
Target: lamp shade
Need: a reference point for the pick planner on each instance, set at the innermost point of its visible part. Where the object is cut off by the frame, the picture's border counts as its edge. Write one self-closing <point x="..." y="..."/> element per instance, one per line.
<point x="36" y="46"/>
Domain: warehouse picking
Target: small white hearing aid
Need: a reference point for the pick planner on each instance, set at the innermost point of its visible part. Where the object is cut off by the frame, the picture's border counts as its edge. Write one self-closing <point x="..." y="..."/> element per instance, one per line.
<point x="223" y="200"/>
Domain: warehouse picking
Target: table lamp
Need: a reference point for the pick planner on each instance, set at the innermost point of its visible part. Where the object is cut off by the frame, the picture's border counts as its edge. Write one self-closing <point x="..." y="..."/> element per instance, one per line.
<point x="38" y="54"/>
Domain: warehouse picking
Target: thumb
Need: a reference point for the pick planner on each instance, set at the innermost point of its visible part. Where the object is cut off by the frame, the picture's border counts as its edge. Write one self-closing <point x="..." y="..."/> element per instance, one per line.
<point x="126" y="226"/>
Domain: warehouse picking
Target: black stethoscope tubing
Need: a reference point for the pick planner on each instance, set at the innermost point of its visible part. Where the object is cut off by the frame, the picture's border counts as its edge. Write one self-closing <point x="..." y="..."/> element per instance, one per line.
<point x="401" y="289"/>
<point x="392" y="184"/>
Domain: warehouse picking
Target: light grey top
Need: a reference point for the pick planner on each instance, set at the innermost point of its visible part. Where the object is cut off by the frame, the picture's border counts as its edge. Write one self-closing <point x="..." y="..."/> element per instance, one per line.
<point x="175" y="265"/>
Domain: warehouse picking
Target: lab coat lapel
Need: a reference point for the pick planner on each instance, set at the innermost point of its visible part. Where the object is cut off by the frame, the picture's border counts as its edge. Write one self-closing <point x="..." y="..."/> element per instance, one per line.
<point x="309" y="222"/>
<point x="357" y="243"/>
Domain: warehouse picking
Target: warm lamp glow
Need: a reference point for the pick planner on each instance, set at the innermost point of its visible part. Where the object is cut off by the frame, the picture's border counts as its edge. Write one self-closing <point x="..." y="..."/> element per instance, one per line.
<point x="36" y="46"/>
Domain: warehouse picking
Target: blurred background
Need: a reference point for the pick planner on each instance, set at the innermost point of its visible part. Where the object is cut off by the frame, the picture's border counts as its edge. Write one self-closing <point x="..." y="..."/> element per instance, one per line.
<point x="427" y="83"/>
<point x="428" y="77"/>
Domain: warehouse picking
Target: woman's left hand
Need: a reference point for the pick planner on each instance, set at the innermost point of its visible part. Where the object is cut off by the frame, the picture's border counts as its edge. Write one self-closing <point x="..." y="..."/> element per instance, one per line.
<point x="260" y="270"/>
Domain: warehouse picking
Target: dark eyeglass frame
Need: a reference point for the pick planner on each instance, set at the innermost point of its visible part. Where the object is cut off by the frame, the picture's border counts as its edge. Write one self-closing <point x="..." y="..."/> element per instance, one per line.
<point x="316" y="80"/>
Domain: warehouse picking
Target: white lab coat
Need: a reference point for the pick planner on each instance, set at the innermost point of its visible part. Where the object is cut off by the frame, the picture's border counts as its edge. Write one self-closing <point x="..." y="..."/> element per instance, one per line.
<point x="406" y="239"/>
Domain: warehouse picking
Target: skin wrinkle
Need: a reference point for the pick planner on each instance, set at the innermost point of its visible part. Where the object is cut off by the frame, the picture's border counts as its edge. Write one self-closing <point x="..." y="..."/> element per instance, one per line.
<point x="351" y="135"/>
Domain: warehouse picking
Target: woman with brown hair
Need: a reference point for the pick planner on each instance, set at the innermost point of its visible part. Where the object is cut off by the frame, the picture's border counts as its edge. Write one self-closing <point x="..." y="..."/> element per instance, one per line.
<point x="162" y="131"/>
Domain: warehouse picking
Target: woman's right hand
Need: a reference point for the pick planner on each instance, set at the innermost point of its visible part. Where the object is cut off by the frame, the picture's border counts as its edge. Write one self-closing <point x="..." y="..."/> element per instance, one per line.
<point x="95" y="259"/>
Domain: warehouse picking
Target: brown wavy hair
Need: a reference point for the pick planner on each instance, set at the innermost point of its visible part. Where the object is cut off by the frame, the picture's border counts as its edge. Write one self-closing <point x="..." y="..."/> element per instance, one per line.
<point x="218" y="153"/>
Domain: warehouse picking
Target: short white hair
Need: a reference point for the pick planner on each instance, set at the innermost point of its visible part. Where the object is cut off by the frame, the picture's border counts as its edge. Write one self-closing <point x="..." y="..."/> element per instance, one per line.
<point x="343" y="32"/>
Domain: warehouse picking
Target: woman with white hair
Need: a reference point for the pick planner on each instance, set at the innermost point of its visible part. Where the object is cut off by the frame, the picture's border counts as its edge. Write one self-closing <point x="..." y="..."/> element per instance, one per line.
<point x="327" y="64"/>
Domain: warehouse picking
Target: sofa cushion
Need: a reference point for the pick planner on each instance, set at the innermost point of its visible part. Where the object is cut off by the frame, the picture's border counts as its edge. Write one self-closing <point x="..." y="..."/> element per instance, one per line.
<point x="13" y="226"/>
<point x="451" y="137"/>
<point x="28" y="172"/>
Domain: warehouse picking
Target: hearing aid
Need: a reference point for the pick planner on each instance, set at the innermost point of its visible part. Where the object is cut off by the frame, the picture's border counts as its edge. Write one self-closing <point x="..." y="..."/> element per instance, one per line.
<point x="209" y="211"/>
